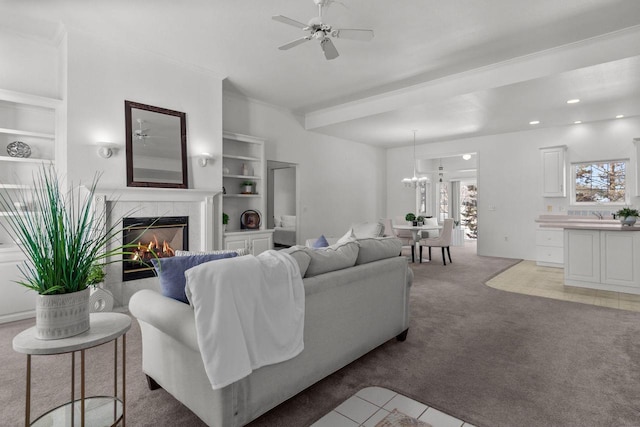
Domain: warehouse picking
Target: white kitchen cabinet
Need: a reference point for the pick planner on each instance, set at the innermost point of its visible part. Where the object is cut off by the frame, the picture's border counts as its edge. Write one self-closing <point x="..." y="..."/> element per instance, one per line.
<point x="620" y="258"/>
<point x="550" y="247"/>
<point x="255" y="241"/>
<point x="603" y="259"/>
<point x="554" y="171"/>
<point x="582" y="256"/>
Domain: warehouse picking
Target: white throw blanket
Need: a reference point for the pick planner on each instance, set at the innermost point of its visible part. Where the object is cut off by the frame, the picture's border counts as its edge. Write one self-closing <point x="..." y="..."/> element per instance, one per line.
<point x="249" y="313"/>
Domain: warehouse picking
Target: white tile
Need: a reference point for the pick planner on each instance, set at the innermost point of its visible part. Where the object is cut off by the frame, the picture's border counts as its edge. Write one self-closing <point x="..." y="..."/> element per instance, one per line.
<point x="376" y="418"/>
<point x="357" y="409"/>
<point x="334" y="419"/>
<point x="440" y="419"/>
<point x="376" y="395"/>
<point x="406" y="406"/>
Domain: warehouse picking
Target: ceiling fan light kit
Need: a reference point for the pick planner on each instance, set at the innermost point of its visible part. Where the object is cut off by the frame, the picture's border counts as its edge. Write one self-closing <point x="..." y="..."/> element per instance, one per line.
<point x="318" y="30"/>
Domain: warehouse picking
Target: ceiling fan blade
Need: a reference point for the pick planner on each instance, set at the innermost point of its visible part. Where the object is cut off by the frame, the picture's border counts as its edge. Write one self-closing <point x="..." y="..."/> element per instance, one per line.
<point x="289" y="21"/>
<point x="353" y="34"/>
<point x="294" y="43"/>
<point x="329" y="49"/>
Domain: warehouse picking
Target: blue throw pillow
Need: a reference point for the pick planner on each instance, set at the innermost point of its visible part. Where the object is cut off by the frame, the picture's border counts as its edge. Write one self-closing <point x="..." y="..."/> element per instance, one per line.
<point x="321" y="242"/>
<point x="171" y="272"/>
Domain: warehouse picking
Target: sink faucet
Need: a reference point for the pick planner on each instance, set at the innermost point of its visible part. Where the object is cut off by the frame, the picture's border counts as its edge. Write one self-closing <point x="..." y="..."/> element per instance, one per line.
<point x="598" y="214"/>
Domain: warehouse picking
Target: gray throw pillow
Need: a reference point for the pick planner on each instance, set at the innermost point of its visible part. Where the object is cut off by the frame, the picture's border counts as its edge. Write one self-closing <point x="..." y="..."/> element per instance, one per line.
<point x="300" y="255"/>
<point x="377" y="248"/>
<point x="331" y="258"/>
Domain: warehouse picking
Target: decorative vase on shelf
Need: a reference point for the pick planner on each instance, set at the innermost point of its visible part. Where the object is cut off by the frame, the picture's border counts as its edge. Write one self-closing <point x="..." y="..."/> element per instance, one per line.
<point x="245" y="170"/>
<point x="62" y="315"/>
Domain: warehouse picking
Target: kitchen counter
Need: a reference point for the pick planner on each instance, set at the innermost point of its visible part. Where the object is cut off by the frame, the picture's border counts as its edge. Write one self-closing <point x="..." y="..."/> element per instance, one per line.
<point x="583" y="223"/>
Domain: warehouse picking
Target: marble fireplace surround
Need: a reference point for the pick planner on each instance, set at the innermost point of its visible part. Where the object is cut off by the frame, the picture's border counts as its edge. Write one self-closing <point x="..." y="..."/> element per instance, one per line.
<point x="198" y="205"/>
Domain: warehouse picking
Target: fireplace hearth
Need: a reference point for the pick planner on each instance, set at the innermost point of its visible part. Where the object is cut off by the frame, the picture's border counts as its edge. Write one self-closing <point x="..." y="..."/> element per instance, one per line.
<point x="154" y="237"/>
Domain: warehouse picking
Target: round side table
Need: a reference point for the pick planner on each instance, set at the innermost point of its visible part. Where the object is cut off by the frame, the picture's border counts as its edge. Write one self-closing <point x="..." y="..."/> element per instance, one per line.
<point x="96" y="410"/>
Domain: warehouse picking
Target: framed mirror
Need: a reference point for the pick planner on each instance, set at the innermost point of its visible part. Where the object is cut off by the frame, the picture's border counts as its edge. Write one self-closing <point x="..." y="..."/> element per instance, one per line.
<point x="156" y="146"/>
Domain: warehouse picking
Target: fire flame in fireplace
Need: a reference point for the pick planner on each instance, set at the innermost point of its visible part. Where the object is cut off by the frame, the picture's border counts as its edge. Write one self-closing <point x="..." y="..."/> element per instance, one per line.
<point x="144" y="252"/>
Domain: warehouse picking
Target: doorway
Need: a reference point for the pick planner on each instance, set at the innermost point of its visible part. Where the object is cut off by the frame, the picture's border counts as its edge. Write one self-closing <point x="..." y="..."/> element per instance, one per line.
<point x="282" y="202"/>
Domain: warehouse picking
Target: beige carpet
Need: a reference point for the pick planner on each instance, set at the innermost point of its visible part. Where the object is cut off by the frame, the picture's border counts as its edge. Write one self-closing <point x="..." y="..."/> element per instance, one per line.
<point x="530" y="279"/>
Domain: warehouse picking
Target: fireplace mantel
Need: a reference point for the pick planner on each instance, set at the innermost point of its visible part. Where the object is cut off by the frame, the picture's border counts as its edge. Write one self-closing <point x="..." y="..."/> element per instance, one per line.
<point x="150" y="194"/>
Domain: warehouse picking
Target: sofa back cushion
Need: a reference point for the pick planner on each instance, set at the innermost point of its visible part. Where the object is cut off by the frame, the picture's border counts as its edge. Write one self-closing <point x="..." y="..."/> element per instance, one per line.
<point x="171" y="272"/>
<point x="301" y="256"/>
<point x="334" y="257"/>
<point x="377" y="248"/>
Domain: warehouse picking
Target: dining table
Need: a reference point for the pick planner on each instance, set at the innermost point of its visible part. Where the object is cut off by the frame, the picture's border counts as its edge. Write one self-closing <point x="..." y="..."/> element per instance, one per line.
<point x="415" y="229"/>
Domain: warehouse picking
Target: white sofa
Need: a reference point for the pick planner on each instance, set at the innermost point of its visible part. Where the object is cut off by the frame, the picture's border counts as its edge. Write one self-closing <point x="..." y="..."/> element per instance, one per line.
<point x="348" y="312"/>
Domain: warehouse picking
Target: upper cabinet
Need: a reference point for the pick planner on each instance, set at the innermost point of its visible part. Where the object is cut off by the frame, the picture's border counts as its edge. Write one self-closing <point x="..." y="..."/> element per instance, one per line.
<point x="243" y="180"/>
<point x="554" y="171"/>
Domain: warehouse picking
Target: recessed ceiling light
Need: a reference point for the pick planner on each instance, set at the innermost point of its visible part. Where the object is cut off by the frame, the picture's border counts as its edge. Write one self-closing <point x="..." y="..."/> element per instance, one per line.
<point x="577" y="122"/>
<point x="573" y="101"/>
<point x="619" y="116"/>
<point x="466" y="156"/>
<point x="534" y="122"/>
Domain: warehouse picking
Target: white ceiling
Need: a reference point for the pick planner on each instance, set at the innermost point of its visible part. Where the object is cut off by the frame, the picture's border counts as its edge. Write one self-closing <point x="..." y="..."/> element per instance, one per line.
<point x="450" y="69"/>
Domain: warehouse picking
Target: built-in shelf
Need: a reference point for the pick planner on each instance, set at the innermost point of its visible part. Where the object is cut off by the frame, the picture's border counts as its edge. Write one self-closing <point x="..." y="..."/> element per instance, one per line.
<point x="242" y="176"/>
<point x="14" y="186"/>
<point x="243" y="195"/>
<point x="247" y="158"/>
<point x="27" y="133"/>
<point x="23" y="159"/>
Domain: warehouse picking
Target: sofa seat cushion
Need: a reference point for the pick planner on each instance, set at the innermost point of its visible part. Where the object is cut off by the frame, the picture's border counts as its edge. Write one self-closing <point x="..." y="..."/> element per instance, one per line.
<point x="377" y="248"/>
<point x="334" y="257"/>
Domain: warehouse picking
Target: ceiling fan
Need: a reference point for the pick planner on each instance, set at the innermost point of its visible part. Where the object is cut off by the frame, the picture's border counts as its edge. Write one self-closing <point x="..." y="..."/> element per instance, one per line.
<point x="140" y="134"/>
<point x="323" y="32"/>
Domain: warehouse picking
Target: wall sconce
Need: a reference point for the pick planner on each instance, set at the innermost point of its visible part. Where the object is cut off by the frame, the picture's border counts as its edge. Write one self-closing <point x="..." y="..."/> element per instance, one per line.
<point x="105" y="149"/>
<point x="204" y="159"/>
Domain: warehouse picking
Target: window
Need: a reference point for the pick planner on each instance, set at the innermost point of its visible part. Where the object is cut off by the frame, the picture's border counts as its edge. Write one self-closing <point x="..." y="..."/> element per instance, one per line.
<point x="423" y="194"/>
<point x="443" y="211"/>
<point x="600" y="182"/>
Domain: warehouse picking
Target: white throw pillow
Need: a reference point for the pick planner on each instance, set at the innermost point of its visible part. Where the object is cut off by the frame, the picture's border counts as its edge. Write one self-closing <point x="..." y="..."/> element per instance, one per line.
<point x="368" y="229"/>
<point x="349" y="236"/>
<point x="288" y="221"/>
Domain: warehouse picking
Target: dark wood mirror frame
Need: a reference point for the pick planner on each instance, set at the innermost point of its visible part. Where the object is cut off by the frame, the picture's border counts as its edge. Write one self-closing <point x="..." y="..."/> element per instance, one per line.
<point x="167" y="138"/>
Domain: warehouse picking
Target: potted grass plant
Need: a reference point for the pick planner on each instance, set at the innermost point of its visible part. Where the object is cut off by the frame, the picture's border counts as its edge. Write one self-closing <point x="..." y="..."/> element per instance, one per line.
<point x="225" y="221"/>
<point x="411" y="217"/>
<point x="63" y="238"/>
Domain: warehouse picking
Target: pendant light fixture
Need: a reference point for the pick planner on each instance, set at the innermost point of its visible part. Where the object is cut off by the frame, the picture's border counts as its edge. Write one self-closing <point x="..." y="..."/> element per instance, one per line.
<point x="414" y="180"/>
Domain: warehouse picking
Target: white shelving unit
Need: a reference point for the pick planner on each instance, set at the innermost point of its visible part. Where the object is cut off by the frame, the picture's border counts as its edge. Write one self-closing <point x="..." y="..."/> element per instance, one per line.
<point x="38" y="122"/>
<point x="243" y="160"/>
<point x="34" y="121"/>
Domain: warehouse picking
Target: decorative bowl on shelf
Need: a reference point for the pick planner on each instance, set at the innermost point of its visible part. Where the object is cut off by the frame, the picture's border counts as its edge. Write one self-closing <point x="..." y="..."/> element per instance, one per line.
<point x="18" y="149"/>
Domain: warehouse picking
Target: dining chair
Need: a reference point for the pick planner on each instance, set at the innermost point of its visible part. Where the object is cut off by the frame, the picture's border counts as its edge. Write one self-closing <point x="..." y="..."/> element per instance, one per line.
<point x="405" y="236"/>
<point x="442" y="241"/>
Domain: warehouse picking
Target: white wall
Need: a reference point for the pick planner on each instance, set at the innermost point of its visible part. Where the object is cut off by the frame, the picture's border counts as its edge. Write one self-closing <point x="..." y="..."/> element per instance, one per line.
<point x="101" y="76"/>
<point x="509" y="177"/>
<point x="29" y="65"/>
<point x="341" y="182"/>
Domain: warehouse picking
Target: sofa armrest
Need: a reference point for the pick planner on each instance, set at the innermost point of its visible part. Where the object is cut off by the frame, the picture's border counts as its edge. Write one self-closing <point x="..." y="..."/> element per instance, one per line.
<point x="172" y="317"/>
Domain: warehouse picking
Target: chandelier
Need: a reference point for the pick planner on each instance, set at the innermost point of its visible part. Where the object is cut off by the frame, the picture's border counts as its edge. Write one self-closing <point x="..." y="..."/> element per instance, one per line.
<point x="414" y="180"/>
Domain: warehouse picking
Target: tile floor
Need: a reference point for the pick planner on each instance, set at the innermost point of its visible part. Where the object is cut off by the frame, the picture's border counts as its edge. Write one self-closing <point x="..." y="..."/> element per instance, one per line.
<point x="528" y="278"/>
<point x="370" y="405"/>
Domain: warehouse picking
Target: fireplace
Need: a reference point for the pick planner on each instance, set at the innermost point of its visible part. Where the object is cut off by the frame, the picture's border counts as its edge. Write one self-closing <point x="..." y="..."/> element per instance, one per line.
<point x="161" y="236"/>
